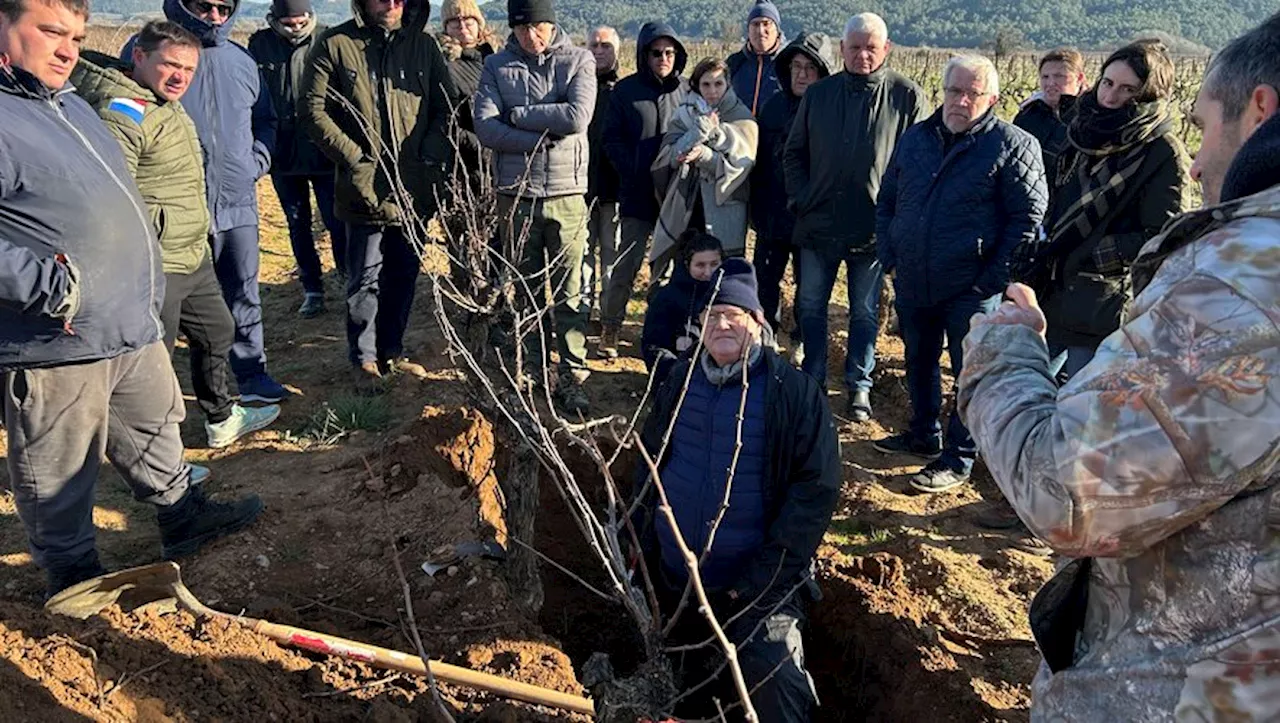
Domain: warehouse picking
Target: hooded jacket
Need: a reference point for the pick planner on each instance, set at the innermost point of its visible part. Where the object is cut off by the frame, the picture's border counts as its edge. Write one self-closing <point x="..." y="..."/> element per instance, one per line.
<point x="755" y="77"/>
<point x="770" y="215"/>
<point x="362" y="80"/>
<point x="161" y="152"/>
<point x="1155" y="470"/>
<point x="64" y="189"/>
<point x="673" y="321"/>
<point x="840" y="143"/>
<point x="533" y="113"/>
<point x="465" y="67"/>
<point x="283" y="64"/>
<point x="233" y="115"/>
<point x="639" y="111"/>
<point x="949" y="220"/>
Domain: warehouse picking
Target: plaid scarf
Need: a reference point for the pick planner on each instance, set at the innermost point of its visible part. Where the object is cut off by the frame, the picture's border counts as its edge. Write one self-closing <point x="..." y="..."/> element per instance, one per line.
<point x="1107" y="147"/>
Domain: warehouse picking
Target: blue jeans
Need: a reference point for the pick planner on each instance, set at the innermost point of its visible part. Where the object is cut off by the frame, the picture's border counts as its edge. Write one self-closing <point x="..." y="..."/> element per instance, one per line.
<point x="817" y="279"/>
<point x="382" y="274"/>
<point x="235" y="260"/>
<point x="295" y="199"/>
<point x="924" y="329"/>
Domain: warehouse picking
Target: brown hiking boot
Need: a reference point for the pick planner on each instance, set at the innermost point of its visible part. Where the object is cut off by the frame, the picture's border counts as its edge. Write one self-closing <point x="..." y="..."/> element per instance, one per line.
<point x="402" y="365"/>
<point x="609" y="342"/>
<point x="369" y="380"/>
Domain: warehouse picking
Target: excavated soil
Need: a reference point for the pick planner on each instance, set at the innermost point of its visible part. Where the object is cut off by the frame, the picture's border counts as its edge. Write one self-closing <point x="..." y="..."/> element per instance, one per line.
<point x="924" y="614"/>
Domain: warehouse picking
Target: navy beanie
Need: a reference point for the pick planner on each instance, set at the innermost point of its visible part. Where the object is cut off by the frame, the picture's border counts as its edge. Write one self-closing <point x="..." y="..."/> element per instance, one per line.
<point x="765" y="9"/>
<point x="529" y="12"/>
<point x="738" y="286"/>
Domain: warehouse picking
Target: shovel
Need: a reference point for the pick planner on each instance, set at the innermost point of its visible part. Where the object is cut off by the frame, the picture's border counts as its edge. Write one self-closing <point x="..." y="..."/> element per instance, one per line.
<point x="161" y="584"/>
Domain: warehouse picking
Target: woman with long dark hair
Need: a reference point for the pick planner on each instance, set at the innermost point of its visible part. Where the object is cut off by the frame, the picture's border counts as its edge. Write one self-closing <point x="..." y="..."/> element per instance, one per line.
<point x="1122" y="175"/>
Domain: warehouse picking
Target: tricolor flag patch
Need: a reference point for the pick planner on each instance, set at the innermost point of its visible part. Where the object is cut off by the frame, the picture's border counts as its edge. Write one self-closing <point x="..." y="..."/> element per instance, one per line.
<point x="130" y="107"/>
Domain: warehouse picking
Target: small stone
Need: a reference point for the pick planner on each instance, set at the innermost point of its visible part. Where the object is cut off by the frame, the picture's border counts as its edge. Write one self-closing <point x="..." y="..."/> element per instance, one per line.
<point x="453" y="571"/>
<point x="262" y="561"/>
<point x="375" y="485"/>
<point x="472" y="581"/>
<point x="395" y="470"/>
<point x="370" y="599"/>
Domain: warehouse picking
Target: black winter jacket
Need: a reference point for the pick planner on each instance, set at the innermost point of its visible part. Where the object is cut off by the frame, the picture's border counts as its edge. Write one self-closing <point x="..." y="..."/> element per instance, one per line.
<point x="948" y="221"/>
<point x="674" y="315"/>
<point x="465" y="67"/>
<point x="770" y="216"/>
<point x="840" y="143"/>
<point x="602" y="179"/>
<point x="639" y="110"/>
<point x="282" y="64"/>
<point x="1083" y="304"/>
<point x="803" y="468"/>
<point x="1049" y="126"/>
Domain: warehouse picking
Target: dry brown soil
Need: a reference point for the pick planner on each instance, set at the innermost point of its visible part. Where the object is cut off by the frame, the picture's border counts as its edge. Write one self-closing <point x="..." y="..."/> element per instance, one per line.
<point x="924" y="617"/>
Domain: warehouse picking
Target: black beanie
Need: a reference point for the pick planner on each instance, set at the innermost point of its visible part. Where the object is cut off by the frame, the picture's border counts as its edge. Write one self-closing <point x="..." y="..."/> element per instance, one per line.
<point x="528" y="12"/>
<point x="290" y="8"/>
<point x="738" y="286"/>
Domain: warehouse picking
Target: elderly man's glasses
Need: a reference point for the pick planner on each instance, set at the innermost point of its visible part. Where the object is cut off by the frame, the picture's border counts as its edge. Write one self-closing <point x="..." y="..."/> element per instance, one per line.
<point x="208" y="8"/>
<point x="954" y="93"/>
<point x="734" y="317"/>
<point x="664" y="53"/>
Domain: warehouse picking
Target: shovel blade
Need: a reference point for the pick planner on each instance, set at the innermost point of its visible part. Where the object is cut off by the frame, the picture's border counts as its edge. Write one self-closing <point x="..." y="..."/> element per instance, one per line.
<point x="130" y="589"/>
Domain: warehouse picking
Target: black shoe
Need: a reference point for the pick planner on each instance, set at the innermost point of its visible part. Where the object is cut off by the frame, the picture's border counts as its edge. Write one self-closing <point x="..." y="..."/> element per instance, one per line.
<point x="59" y="577"/>
<point x="908" y="444"/>
<point x="195" y="520"/>
<point x="938" y="477"/>
<point x="860" y="406"/>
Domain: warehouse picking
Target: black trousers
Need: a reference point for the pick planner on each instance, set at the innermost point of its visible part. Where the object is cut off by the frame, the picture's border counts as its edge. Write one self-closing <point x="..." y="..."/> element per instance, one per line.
<point x="194" y="305"/>
<point x="770" y="652"/>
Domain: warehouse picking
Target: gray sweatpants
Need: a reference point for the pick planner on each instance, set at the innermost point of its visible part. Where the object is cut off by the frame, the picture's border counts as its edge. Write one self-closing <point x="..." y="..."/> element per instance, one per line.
<point x="63" y="420"/>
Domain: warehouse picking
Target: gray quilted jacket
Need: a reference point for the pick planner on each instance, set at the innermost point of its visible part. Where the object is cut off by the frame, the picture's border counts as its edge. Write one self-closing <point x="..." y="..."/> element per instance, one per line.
<point x="533" y="112"/>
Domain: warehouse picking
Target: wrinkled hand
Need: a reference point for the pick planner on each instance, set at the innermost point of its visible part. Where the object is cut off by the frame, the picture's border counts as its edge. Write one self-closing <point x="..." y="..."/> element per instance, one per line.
<point x="695" y="154"/>
<point x="1019" y="307"/>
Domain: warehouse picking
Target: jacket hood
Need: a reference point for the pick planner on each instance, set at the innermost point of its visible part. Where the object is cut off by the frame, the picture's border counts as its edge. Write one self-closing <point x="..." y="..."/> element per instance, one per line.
<point x="1257" y="165"/>
<point x="97" y="76"/>
<point x="649" y="33"/>
<point x="415" y="15"/>
<point x="208" y="33"/>
<point x="560" y="41"/>
<point x="818" y="47"/>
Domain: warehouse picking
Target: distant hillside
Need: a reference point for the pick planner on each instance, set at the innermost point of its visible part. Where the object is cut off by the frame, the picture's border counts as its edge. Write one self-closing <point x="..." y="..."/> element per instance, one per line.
<point x="942" y="23"/>
<point x="936" y="23"/>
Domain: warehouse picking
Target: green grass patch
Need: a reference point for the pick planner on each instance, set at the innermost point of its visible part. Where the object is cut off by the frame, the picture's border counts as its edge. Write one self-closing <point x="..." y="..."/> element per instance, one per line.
<point x="338" y="417"/>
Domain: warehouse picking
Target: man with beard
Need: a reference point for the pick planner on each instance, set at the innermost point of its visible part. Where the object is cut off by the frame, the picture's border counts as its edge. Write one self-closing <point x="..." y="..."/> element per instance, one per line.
<point x="387" y="137"/>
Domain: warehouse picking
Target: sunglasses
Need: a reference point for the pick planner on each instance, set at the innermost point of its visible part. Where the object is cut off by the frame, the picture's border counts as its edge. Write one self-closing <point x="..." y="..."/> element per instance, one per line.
<point x="667" y="53"/>
<point x="208" y="8"/>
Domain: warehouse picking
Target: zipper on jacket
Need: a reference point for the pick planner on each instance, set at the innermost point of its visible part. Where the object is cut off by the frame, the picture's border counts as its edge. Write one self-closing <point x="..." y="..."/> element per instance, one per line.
<point x="142" y="217"/>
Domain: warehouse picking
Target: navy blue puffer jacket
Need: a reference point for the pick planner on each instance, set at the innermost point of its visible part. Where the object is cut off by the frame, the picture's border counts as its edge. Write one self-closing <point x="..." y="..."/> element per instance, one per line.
<point x="949" y="220"/>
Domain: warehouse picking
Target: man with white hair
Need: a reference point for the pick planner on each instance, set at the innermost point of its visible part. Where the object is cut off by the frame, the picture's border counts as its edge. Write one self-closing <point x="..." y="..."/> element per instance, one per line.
<point x="602" y="178"/>
<point x="841" y="140"/>
<point x="963" y="190"/>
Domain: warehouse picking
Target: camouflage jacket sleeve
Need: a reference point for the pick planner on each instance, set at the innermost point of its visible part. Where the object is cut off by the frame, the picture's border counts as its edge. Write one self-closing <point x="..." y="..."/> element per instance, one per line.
<point x="1178" y="413"/>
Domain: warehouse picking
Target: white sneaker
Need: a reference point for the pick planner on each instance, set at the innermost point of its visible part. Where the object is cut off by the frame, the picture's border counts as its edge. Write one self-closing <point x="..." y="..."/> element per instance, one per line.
<point x="243" y="420"/>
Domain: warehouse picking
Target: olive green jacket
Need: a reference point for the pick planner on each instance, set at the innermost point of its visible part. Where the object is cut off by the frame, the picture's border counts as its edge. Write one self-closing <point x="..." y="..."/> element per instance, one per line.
<point x="163" y="153"/>
<point x="377" y="103"/>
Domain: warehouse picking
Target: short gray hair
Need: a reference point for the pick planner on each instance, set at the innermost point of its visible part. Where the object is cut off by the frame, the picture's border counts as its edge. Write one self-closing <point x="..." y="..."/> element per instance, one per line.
<point x="1251" y="60"/>
<point x="617" y="41"/>
<point x="981" y="68"/>
<point x="868" y="23"/>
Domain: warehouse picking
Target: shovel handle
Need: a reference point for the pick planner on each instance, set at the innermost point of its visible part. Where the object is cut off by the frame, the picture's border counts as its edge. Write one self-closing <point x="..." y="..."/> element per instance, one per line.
<point x="405" y="663"/>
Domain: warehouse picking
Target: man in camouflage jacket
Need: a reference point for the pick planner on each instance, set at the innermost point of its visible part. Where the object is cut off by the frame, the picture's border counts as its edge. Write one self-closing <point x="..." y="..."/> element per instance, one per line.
<point x="1154" y="471"/>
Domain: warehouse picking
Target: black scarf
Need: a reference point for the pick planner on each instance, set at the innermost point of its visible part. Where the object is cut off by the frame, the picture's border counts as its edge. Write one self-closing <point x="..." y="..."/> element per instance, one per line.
<point x="1107" y="148"/>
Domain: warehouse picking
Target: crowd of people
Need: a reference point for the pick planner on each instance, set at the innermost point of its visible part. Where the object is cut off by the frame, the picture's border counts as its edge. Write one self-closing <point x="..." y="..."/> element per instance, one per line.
<point x="1121" y="391"/>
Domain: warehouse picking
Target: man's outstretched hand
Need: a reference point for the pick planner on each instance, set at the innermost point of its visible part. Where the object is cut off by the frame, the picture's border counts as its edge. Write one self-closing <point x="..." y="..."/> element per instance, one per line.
<point x="1020" y="306"/>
